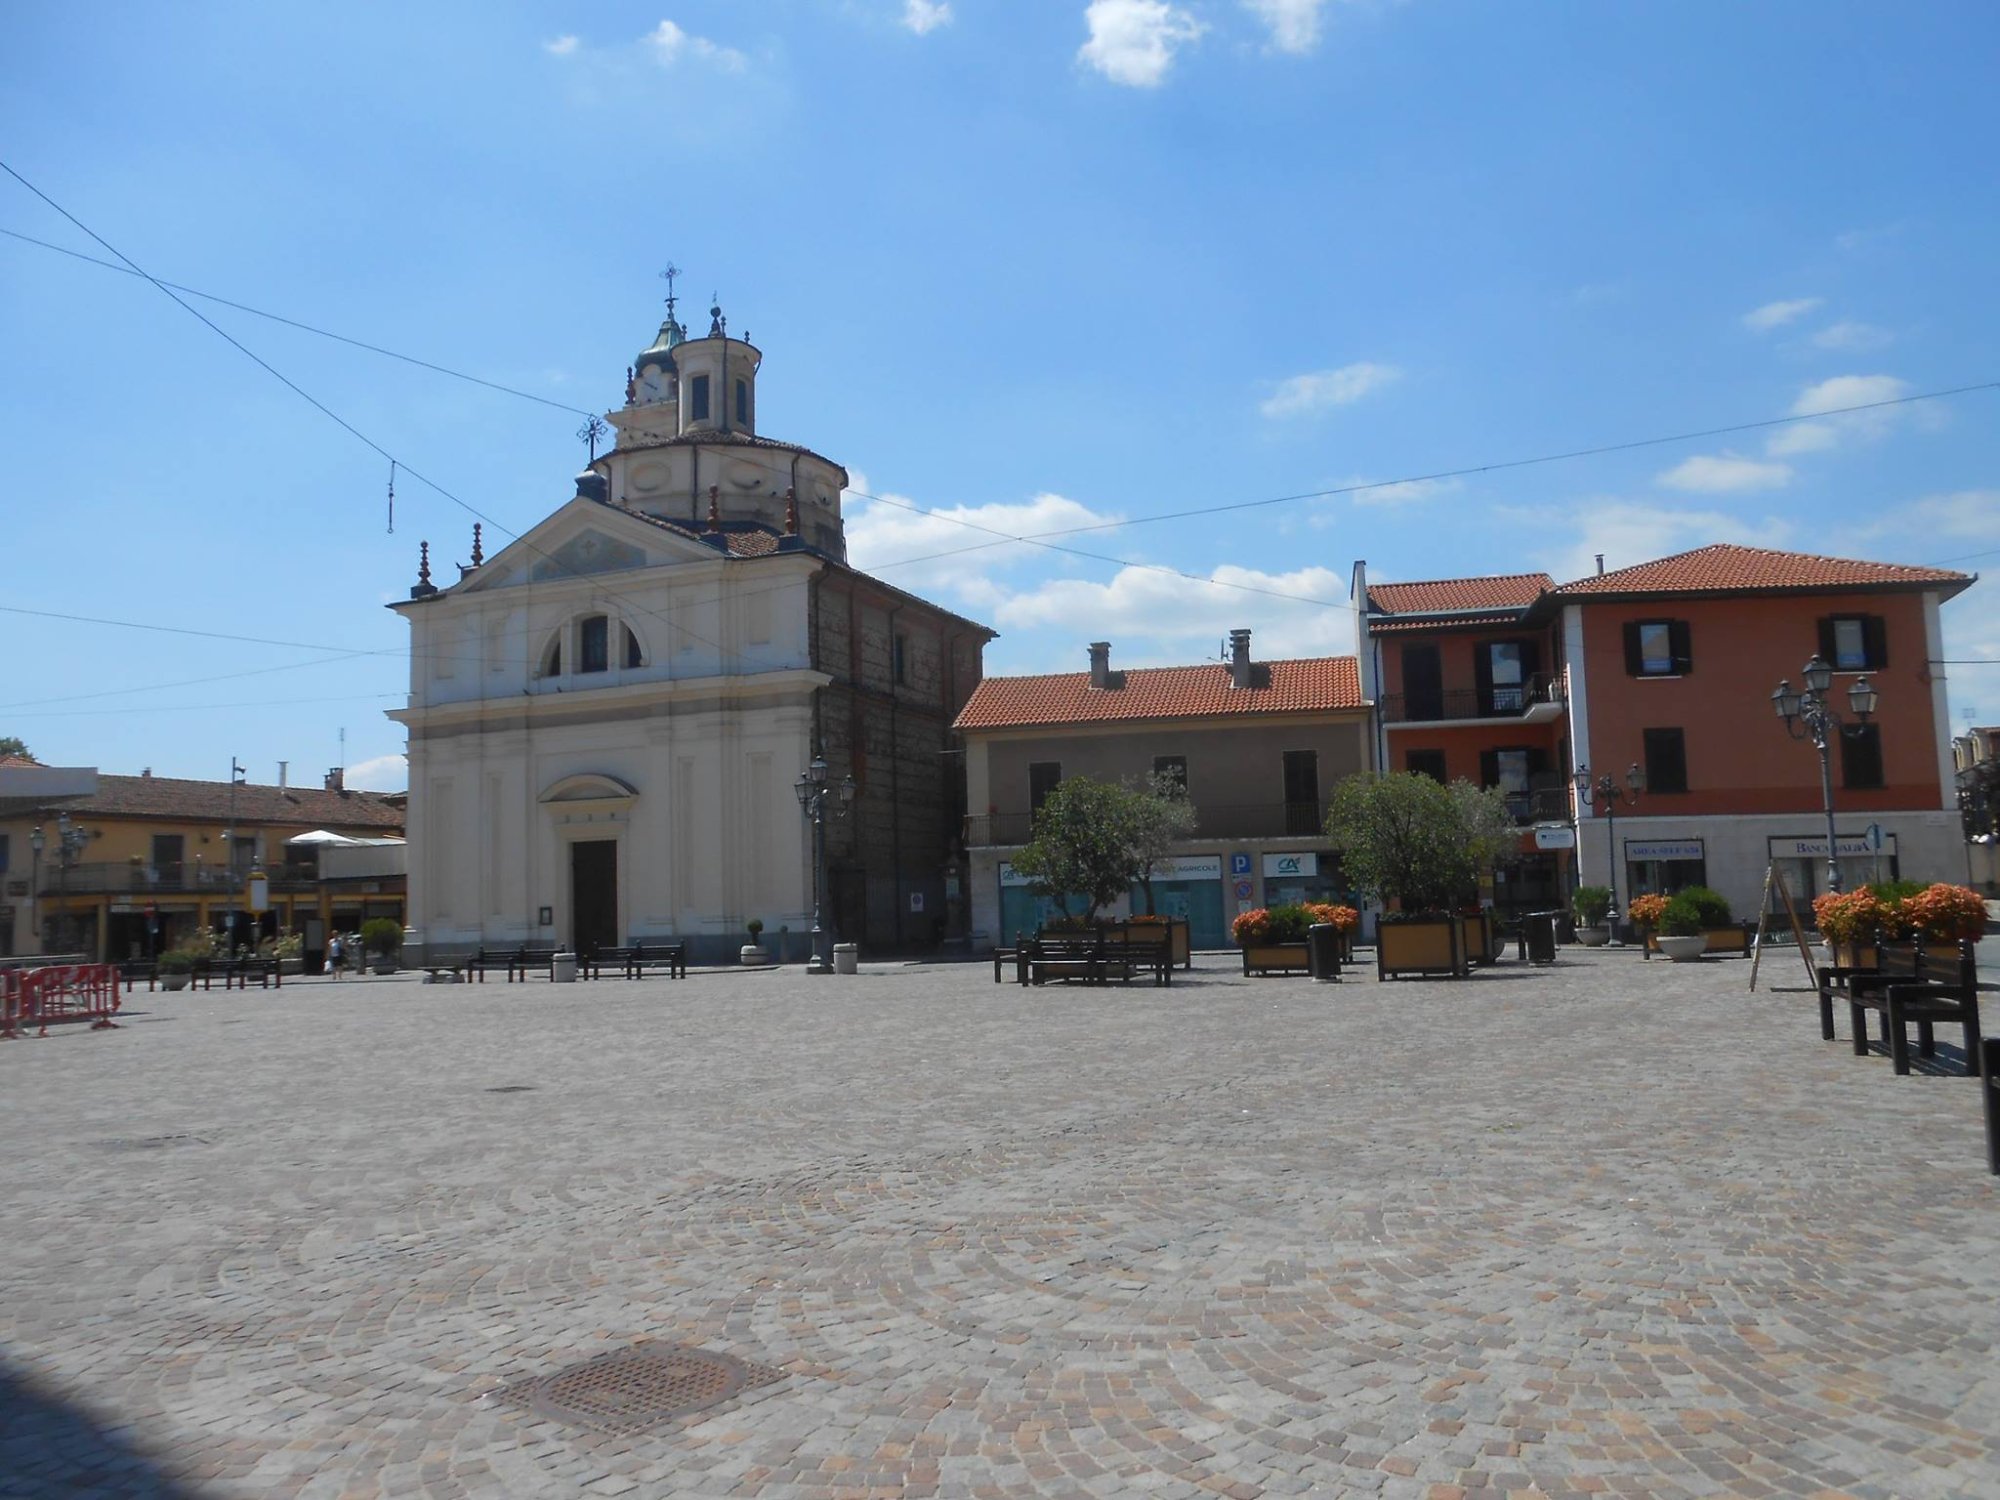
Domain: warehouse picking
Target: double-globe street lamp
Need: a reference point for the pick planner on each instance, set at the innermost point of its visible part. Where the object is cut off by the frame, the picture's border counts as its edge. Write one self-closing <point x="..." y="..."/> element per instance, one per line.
<point x="1811" y="716"/>
<point x="70" y="839"/>
<point x="1607" y="793"/>
<point x="814" y="792"/>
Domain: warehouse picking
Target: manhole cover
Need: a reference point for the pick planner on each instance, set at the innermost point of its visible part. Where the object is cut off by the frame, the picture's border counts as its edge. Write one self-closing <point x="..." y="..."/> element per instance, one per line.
<point x="629" y="1390"/>
<point x="513" y="1088"/>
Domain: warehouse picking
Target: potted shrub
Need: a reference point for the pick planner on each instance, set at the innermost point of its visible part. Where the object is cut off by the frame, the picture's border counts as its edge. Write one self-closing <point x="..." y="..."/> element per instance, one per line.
<point x="1590" y="903"/>
<point x="753" y="952"/>
<point x="383" y="937"/>
<point x="1273" y="939"/>
<point x="1946" y="914"/>
<point x="1721" y="932"/>
<point x="176" y="969"/>
<point x="1683" y="936"/>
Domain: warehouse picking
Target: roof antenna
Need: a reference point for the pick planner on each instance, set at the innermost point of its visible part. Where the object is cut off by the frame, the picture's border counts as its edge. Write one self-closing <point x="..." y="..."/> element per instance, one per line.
<point x="392" y="497"/>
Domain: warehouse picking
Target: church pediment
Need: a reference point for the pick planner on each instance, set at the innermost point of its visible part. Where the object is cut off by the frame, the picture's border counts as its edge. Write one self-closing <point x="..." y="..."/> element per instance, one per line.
<point x="589" y="551"/>
<point x="584" y="539"/>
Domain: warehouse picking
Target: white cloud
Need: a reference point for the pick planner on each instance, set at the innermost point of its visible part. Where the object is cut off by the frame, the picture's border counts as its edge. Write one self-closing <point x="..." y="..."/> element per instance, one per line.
<point x="1294" y="24"/>
<point x="1801" y="437"/>
<point x="1133" y="42"/>
<point x="1303" y="394"/>
<point x="670" y="44"/>
<point x="1968" y="515"/>
<point x="1636" y="531"/>
<point x="944" y="550"/>
<point x="1155" y="618"/>
<point x="1850" y="336"/>
<point x="385" y="773"/>
<point x="561" y="46"/>
<point x="1778" y="314"/>
<point x="1847" y="390"/>
<point x="1725" y="474"/>
<point x="924" y="16"/>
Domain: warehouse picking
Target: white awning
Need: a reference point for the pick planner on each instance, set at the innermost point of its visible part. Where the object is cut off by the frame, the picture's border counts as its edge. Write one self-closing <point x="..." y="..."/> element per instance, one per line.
<point x="320" y="838"/>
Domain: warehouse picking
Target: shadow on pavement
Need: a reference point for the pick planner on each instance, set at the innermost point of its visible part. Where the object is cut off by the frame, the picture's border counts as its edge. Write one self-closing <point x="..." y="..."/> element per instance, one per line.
<point x="50" y="1447"/>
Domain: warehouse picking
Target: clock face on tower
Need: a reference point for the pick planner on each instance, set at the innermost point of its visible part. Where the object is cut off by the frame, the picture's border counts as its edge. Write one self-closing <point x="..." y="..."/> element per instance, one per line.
<point x="653" y="384"/>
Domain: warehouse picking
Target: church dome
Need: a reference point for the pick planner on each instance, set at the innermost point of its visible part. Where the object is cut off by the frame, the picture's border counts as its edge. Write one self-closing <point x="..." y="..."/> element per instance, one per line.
<point x="660" y="354"/>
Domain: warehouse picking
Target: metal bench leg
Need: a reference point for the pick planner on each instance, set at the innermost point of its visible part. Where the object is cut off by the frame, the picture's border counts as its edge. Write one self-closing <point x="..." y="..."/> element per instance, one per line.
<point x="1926" y="1040"/>
<point x="1826" y="1010"/>
<point x="1857" y="1018"/>
<point x="1899" y="1037"/>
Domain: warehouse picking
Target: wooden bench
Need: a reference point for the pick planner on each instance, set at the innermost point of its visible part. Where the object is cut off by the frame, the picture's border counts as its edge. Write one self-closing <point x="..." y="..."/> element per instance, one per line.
<point x="514" y="962"/>
<point x="1990" y="1086"/>
<point x="460" y="970"/>
<point x="634" y="959"/>
<point x="1912" y="981"/>
<point x="1067" y="956"/>
<point x="1149" y="949"/>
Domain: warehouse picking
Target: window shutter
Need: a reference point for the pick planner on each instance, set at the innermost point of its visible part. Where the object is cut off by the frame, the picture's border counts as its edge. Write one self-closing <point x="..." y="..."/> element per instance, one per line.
<point x="1482" y="676"/>
<point x="1875" y="641"/>
<point x="1489" y="768"/>
<point x="1531" y="660"/>
<point x="1635" y="664"/>
<point x="1538" y="762"/>
<point x="1828" y="650"/>
<point x="1861" y="758"/>
<point x="1682" y="646"/>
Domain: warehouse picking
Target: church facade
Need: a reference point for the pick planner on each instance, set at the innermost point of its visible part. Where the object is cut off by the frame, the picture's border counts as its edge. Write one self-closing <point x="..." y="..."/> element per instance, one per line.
<point x="607" y="718"/>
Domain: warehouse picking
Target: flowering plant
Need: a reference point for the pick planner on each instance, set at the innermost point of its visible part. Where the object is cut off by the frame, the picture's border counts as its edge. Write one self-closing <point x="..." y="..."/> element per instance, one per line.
<point x="1343" y="919"/>
<point x="1645" y="911"/>
<point x="1849" y="919"/>
<point x="1254" y="926"/>
<point x="1946" y="913"/>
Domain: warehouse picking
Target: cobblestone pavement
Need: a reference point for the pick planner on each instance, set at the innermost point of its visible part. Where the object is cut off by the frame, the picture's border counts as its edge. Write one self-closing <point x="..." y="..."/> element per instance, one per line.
<point x="1610" y="1228"/>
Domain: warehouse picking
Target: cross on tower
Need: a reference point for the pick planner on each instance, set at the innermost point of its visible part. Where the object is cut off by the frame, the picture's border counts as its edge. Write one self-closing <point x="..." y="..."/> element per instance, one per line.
<point x="668" y="276"/>
<point x="589" y="433"/>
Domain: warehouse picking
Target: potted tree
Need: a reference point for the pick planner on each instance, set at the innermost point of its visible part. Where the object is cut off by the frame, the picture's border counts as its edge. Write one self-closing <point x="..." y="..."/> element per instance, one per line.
<point x="1421" y="848"/>
<point x="176" y="969"/>
<point x="383" y="937"/>
<point x="1590" y="903"/>
<point x="753" y="952"/>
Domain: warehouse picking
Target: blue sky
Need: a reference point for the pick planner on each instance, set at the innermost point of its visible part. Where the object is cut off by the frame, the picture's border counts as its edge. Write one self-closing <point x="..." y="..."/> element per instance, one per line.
<point x="1032" y="265"/>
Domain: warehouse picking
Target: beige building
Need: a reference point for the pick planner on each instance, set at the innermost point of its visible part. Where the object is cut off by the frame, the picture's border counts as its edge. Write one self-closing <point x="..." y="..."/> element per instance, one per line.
<point x="1258" y="745"/>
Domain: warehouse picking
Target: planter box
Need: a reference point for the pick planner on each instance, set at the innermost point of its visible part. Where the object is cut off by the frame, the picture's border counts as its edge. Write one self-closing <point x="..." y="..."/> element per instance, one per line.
<point x="1478" y="937"/>
<point x="1421" y="948"/>
<point x="1181" y="949"/>
<point x="1683" y="949"/>
<point x="1275" y="958"/>
<point x="1858" y="956"/>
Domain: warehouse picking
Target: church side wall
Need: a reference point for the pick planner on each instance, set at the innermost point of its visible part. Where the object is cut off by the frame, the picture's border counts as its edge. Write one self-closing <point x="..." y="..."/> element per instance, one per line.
<point x="888" y="858"/>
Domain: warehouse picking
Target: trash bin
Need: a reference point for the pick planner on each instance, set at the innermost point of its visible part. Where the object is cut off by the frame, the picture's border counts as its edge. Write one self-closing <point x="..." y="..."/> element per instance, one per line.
<point x="1538" y="937"/>
<point x="1323" y="951"/>
<point x="846" y="958"/>
<point x="562" y="968"/>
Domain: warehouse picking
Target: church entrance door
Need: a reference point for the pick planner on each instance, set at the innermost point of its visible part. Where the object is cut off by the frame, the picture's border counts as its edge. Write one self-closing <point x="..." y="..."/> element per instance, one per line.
<point x="593" y="895"/>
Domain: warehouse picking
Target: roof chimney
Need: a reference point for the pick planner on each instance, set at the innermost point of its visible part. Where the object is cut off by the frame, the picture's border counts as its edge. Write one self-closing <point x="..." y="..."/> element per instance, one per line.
<point x="336" y="779"/>
<point x="1239" y="658"/>
<point x="1600" y="565"/>
<point x="1100" y="664"/>
<point x="284" y="774"/>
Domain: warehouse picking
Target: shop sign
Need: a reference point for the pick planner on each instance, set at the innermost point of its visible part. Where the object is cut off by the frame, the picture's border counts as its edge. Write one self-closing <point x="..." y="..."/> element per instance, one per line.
<point x="1560" y="837"/>
<point x="1189" y="867"/>
<point x="1852" y="846"/>
<point x="1010" y="877"/>
<point x="1665" y="848"/>
<point x="1290" y="866"/>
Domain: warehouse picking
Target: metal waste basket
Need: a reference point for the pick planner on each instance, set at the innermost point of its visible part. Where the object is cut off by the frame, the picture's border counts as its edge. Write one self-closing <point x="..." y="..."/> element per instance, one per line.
<point x="562" y="968"/>
<point x="1323" y="951"/>
<point x="1538" y="937"/>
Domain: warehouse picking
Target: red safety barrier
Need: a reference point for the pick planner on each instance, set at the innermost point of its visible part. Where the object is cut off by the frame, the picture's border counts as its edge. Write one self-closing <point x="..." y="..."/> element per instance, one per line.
<point x="10" y="1004"/>
<point x="65" y="992"/>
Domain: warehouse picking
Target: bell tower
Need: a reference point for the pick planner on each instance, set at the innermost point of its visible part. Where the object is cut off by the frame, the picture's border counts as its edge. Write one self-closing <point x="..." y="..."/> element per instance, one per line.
<point x="718" y="377"/>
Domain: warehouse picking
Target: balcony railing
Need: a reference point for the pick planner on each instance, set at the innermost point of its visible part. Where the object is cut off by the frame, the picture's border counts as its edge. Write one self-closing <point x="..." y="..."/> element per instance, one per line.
<point x="1547" y="801"/>
<point x="113" y="879"/>
<point x="1218" y="820"/>
<point x="1502" y="701"/>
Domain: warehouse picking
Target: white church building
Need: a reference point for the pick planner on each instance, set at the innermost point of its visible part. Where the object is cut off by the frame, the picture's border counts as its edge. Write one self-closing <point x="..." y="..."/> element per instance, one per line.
<point x="607" y="717"/>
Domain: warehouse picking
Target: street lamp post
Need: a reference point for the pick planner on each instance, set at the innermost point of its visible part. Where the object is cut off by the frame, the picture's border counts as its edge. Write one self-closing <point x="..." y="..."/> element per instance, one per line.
<point x="70" y="840"/>
<point x="1811" y="716"/>
<point x="36" y="843"/>
<point x="1607" y="793"/>
<point x="814" y="791"/>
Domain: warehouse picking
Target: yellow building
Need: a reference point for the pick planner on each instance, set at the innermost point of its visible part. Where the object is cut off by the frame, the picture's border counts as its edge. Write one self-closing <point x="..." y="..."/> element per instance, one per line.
<point x="135" y="866"/>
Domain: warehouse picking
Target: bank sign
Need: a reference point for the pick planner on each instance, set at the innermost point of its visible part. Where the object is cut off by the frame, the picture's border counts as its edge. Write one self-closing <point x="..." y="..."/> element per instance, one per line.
<point x="1852" y="846"/>
<point x="1290" y="866"/>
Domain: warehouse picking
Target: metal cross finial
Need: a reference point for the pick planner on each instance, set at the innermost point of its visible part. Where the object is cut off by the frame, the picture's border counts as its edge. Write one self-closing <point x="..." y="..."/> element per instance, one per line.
<point x="668" y="276"/>
<point x="478" y="546"/>
<point x="590" y="432"/>
<point x="424" y="563"/>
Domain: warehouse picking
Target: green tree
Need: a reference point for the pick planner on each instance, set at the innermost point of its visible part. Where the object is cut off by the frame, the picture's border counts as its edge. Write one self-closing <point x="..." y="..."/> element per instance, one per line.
<point x="1081" y="845"/>
<point x="12" y="745"/>
<point x="1161" y="817"/>
<point x="1409" y="839"/>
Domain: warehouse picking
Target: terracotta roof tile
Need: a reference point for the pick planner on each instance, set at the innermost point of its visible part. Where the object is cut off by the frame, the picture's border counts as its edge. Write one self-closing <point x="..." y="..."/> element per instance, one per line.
<point x="209" y="802"/>
<point x="1497" y="591"/>
<point x="1727" y="568"/>
<point x="1309" y="686"/>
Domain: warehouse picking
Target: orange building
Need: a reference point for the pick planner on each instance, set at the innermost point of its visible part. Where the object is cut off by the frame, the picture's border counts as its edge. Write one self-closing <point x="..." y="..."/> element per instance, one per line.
<point x="1669" y="667"/>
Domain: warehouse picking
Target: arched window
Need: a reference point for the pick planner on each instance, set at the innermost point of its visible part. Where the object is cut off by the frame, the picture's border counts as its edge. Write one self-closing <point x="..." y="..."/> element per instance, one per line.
<point x="552" y="658"/>
<point x="633" y="656"/>
<point x="593" y="644"/>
